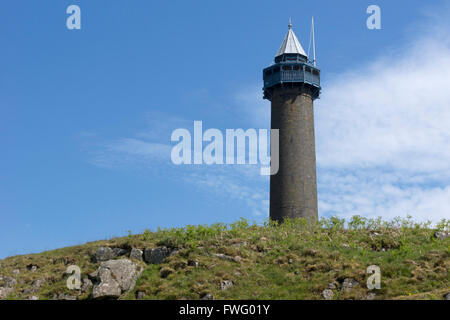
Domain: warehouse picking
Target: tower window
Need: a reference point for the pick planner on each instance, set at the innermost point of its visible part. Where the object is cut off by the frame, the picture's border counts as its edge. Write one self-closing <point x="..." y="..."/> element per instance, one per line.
<point x="308" y="69"/>
<point x="315" y="72"/>
<point x="296" y="67"/>
<point x="268" y="72"/>
<point x="287" y="68"/>
<point x="276" y="69"/>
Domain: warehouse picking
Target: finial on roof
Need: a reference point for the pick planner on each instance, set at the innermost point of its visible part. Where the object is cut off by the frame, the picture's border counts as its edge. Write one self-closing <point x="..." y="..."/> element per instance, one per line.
<point x="290" y="23"/>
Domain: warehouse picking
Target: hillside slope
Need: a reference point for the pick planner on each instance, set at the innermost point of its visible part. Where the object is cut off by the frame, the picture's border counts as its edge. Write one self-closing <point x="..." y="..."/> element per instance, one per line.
<point x="295" y="260"/>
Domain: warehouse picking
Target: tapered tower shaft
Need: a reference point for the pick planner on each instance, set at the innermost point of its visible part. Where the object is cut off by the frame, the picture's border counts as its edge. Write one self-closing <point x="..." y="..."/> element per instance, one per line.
<point x="293" y="190"/>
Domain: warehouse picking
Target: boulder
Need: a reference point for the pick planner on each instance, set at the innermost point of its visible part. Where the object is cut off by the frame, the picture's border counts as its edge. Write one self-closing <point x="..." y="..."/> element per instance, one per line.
<point x="87" y="285"/>
<point x="8" y="282"/>
<point x="7" y="285"/>
<point x="348" y="284"/>
<point x="140" y="295"/>
<point x="103" y="254"/>
<point x="327" y="294"/>
<point x="332" y="285"/>
<point x="119" y="252"/>
<point x="136" y="254"/>
<point x="115" y="277"/>
<point x="36" y="284"/>
<point x="447" y="296"/>
<point x="32" y="267"/>
<point x="156" y="255"/>
<point x="5" y="292"/>
<point x="63" y="296"/>
<point x="226" y="284"/>
<point x="371" y="296"/>
<point x="227" y="258"/>
<point x="207" y="296"/>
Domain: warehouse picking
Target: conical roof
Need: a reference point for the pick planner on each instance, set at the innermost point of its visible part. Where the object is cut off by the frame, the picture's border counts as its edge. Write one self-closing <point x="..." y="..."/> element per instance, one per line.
<point x="290" y="44"/>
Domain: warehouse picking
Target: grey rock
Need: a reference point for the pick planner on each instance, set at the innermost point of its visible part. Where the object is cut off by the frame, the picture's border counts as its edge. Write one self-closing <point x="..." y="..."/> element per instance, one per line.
<point x="119" y="252"/>
<point x="447" y="296"/>
<point x="207" y="296"/>
<point x="156" y="255"/>
<point x="115" y="277"/>
<point x="32" y="267"/>
<point x="136" y="254"/>
<point x="348" y="284"/>
<point x="36" y="284"/>
<point x="332" y="285"/>
<point x="63" y="296"/>
<point x="33" y="298"/>
<point x="140" y="295"/>
<point x="227" y="258"/>
<point x="16" y="271"/>
<point x="5" y="292"/>
<point x="327" y="294"/>
<point x="441" y="235"/>
<point x="28" y="291"/>
<point x="87" y="285"/>
<point x="371" y="296"/>
<point x="226" y="284"/>
<point x="8" y="282"/>
<point x="103" y="254"/>
<point x="107" y="287"/>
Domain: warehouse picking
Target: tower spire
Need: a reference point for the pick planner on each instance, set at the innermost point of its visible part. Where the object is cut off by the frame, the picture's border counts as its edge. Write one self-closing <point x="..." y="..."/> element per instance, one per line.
<point x="290" y="44"/>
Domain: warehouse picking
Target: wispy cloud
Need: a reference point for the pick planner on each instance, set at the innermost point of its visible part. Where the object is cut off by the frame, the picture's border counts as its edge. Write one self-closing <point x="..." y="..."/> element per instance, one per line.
<point x="147" y="150"/>
<point x="383" y="135"/>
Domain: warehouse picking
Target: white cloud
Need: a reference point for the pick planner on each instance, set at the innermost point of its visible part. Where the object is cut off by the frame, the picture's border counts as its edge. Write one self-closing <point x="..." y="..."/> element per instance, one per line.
<point x="383" y="135"/>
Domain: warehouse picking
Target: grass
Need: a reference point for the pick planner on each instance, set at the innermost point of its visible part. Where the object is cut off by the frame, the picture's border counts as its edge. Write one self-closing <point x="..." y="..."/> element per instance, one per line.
<point x="294" y="260"/>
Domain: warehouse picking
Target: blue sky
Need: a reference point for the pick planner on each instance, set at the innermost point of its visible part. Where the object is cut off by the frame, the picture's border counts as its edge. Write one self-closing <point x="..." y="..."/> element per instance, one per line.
<point x="86" y="115"/>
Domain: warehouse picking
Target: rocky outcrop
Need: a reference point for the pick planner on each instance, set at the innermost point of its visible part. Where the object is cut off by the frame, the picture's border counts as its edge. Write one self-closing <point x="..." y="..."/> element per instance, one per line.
<point x="7" y="285"/>
<point x="156" y="255"/>
<point x="136" y="254"/>
<point x="115" y="277"/>
<point x="103" y="254"/>
<point x="106" y="253"/>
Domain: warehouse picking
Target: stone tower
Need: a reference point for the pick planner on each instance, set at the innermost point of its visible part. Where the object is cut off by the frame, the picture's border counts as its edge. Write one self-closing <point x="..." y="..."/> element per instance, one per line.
<point x="292" y="83"/>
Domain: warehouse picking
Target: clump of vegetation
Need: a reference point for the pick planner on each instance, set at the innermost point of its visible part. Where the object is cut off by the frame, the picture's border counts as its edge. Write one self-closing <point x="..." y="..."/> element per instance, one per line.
<point x="293" y="260"/>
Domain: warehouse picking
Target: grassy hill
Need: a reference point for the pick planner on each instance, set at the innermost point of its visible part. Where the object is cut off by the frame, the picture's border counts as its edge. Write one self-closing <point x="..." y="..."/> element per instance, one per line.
<point x="294" y="260"/>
